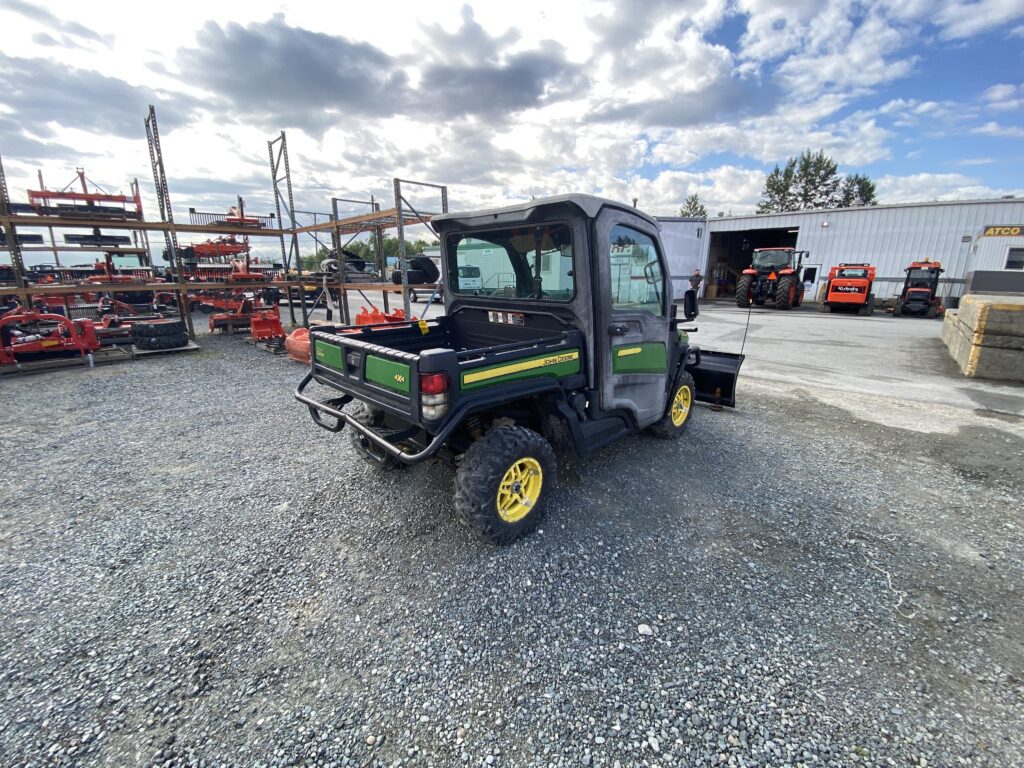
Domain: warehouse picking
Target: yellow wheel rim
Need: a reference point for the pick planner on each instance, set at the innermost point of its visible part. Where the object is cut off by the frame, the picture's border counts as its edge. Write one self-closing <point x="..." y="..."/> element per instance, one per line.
<point x="681" y="405"/>
<point x="519" y="490"/>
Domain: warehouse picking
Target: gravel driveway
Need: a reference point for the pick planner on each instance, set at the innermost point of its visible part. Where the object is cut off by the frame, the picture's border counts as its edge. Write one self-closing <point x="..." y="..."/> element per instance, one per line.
<point x="192" y="574"/>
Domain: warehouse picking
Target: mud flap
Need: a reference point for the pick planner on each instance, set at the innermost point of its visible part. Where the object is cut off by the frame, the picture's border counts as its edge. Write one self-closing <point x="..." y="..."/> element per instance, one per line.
<point x="714" y="375"/>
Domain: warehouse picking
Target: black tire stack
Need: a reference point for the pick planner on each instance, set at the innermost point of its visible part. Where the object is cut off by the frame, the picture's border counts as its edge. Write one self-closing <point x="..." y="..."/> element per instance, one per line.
<point x="421" y="270"/>
<point x="168" y="334"/>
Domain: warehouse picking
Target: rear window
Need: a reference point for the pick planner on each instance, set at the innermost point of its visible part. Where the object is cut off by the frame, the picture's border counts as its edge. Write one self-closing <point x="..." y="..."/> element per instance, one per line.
<point x="524" y="262"/>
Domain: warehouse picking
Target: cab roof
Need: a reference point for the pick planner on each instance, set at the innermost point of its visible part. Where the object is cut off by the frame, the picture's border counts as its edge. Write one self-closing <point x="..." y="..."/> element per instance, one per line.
<point x="589" y="205"/>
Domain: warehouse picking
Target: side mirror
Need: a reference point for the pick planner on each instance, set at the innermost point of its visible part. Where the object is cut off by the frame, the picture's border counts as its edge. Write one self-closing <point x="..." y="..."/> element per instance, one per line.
<point x="690" y="308"/>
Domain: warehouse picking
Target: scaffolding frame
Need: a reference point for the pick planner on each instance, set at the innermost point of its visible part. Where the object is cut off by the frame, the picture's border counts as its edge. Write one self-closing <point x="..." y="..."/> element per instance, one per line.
<point x="403" y="215"/>
<point x="281" y="173"/>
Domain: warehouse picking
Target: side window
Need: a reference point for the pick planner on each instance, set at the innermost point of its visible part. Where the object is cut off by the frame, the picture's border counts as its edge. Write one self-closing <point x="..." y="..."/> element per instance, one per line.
<point x="637" y="281"/>
<point x="1015" y="258"/>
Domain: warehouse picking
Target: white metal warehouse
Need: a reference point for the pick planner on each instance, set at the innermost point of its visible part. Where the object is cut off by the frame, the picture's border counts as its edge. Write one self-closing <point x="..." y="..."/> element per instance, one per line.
<point x="964" y="236"/>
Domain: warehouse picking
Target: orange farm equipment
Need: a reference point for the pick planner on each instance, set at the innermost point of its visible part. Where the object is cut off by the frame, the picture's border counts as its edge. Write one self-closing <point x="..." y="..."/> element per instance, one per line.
<point x="920" y="294"/>
<point x="772" y="277"/>
<point x="30" y="335"/>
<point x="849" y="289"/>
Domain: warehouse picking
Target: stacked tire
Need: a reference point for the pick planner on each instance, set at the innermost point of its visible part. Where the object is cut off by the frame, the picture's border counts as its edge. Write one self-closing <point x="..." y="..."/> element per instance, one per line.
<point x="168" y="334"/>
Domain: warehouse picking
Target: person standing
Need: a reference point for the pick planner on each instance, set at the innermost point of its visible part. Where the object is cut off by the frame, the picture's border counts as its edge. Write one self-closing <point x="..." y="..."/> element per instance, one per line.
<point x="695" y="280"/>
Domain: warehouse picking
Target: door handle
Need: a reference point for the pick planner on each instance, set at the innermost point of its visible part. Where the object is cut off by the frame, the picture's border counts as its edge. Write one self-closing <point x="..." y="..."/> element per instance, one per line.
<point x="618" y="329"/>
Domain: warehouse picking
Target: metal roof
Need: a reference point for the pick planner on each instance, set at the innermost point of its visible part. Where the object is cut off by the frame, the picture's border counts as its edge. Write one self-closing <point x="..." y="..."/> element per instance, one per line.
<point x="590" y="205"/>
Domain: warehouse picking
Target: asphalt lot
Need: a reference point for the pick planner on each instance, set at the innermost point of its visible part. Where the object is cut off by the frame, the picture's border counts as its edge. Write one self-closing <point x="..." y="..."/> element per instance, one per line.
<point x="192" y="574"/>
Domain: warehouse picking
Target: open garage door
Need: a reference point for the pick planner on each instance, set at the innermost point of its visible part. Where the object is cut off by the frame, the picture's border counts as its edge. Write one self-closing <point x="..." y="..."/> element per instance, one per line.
<point x="729" y="253"/>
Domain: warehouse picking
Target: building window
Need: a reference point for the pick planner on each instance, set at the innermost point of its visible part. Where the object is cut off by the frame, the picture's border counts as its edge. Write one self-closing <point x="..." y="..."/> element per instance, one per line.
<point x="1015" y="258"/>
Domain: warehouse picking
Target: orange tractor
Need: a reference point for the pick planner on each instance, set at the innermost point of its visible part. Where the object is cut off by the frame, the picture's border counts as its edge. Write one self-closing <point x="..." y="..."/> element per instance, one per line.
<point x="920" y="294"/>
<point x="849" y="289"/>
<point x="773" y="276"/>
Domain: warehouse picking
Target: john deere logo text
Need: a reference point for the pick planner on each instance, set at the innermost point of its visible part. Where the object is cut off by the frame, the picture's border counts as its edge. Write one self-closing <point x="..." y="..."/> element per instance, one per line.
<point x="1013" y="230"/>
<point x="400" y="378"/>
<point x="560" y="359"/>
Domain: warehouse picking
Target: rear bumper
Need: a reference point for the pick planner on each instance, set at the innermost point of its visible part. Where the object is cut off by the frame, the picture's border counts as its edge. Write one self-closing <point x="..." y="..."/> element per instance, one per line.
<point x="332" y="409"/>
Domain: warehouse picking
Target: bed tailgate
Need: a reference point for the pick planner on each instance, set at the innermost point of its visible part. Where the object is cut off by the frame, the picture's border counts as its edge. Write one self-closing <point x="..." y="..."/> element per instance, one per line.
<point x="373" y="373"/>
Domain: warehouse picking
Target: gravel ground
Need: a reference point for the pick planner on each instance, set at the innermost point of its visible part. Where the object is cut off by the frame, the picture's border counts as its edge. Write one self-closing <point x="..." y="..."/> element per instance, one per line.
<point x="192" y="574"/>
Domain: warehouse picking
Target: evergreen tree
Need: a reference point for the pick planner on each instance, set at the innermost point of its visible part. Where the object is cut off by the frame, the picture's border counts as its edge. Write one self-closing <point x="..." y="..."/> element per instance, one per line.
<point x="778" y="195"/>
<point x="812" y="181"/>
<point x="857" y="190"/>
<point x="817" y="181"/>
<point x="694" y="208"/>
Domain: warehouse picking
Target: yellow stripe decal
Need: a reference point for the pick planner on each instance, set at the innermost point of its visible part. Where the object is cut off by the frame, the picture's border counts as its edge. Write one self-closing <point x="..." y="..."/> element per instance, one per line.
<point x="527" y="365"/>
<point x="629" y="351"/>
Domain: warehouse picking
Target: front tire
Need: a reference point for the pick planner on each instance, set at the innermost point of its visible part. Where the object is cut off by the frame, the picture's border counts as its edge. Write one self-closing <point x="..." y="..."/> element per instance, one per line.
<point x="678" y="410"/>
<point x="503" y="482"/>
<point x="744" y="288"/>
<point x="785" y="292"/>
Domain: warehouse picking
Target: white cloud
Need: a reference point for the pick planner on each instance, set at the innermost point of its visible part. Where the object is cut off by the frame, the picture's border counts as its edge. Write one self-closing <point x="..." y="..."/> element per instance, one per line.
<point x="995" y="129"/>
<point x="920" y="187"/>
<point x="1004" y="96"/>
<point x="657" y="97"/>
<point x="960" y="20"/>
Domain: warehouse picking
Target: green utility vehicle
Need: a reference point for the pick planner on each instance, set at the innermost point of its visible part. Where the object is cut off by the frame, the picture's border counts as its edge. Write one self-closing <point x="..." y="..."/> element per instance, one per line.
<point x="569" y="339"/>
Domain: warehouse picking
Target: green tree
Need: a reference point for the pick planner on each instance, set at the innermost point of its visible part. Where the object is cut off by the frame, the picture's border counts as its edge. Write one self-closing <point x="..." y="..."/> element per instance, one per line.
<point x="311" y="262"/>
<point x="812" y="181"/>
<point x="694" y="208"/>
<point x="817" y="181"/>
<point x="777" y="195"/>
<point x="857" y="190"/>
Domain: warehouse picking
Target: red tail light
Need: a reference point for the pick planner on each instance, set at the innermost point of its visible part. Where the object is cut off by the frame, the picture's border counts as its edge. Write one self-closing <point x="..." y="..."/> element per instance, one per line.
<point x="433" y="383"/>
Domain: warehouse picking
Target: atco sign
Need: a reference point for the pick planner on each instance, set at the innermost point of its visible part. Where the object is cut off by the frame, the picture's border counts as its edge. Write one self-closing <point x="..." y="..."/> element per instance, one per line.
<point x="1013" y="230"/>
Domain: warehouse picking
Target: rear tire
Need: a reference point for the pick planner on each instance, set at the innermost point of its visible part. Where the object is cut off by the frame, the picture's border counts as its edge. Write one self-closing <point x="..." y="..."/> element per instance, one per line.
<point x="152" y="330"/>
<point x="898" y="309"/>
<point x="153" y="343"/>
<point x="427" y="266"/>
<point x="824" y="307"/>
<point x="678" y="409"/>
<point x="932" y="311"/>
<point x="785" y="292"/>
<point x="503" y="482"/>
<point x="744" y="288"/>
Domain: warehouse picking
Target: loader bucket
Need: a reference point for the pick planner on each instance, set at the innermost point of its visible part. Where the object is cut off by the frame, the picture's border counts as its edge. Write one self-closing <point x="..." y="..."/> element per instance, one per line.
<point x="715" y="376"/>
<point x="266" y="325"/>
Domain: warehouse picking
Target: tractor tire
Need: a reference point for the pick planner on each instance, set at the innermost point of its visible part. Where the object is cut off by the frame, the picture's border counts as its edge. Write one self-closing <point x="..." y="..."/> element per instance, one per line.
<point x="427" y="266"/>
<point x="931" y="312"/>
<point x="152" y="330"/>
<point x="678" y="409"/>
<point x="503" y="482"/>
<point x="371" y="417"/>
<point x="824" y="307"/>
<point x="396" y="277"/>
<point x="785" y="292"/>
<point x="869" y="306"/>
<point x="416" y="277"/>
<point x="898" y="309"/>
<point x="154" y="343"/>
<point x="744" y="288"/>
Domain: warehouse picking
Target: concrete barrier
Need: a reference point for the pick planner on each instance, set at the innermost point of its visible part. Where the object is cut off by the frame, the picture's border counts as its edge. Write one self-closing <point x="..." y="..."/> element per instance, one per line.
<point x="985" y="336"/>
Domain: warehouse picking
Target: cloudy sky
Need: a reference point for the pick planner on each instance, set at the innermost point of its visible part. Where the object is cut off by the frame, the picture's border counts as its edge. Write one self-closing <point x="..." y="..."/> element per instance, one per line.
<point x="504" y="100"/>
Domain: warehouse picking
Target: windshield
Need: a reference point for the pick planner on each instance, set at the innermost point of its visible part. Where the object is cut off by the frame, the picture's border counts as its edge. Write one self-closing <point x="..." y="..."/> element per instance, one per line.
<point x="852" y="273"/>
<point x="771" y="259"/>
<point x="528" y="262"/>
<point x="921" y="276"/>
